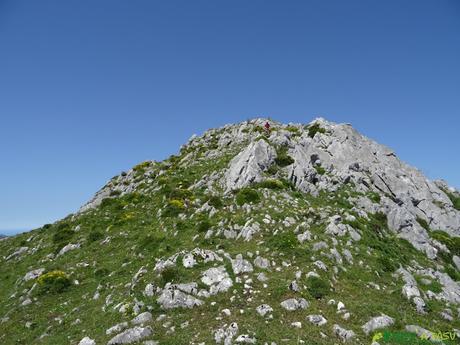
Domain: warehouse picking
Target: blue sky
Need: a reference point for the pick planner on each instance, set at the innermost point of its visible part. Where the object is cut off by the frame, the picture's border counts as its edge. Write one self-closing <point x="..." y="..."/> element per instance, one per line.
<point x="90" y="88"/>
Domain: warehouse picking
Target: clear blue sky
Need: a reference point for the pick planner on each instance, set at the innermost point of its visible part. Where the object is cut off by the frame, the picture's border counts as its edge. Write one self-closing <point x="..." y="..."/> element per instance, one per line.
<point x="90" y="88"/>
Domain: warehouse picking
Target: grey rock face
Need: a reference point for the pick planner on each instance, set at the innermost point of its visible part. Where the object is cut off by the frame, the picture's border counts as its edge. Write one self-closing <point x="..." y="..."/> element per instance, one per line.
<point x="217" y="279"/>
<point x="142" y="318"/>
<point x="261" y="262"/>
<point x="117" y="328"/>
<point x="241" y="265"/>
<point x="20" y="251"/>
<point x="34" y="274"/>
<point x="456" y="261"/>
<point x="411" y="291"/>
<point x="378" y="322"/>
<point x="351" y="157"/>
<point x="172" y="297"/>
<point x="292" y="304"/>
<point x="248" y="166"/>
<point x="419" y="331"/>
<point x="131" y="335"/>
<point x="68" y="248"/>
<point x="226" y="334"/>
<point x="343" y="334"/>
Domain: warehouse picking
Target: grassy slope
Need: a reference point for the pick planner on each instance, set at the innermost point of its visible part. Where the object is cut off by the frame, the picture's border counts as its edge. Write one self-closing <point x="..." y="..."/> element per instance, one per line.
<point x="138" y="236"/>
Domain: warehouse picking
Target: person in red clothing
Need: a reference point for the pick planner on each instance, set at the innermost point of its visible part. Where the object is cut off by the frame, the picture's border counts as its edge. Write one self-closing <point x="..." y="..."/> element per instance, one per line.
<point x="267" y="127"/>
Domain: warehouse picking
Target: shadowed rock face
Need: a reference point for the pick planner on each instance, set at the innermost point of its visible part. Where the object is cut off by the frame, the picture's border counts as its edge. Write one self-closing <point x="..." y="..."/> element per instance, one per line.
<point x="248" y="166"/>
<point x="347" y="157"/>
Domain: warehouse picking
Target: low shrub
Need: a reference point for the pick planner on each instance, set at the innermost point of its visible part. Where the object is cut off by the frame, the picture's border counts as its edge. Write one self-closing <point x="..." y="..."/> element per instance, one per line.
<point x="452" y="272"/>
<point x="452" y="243"/>
<point x="315" y="128"/>
<point x="247" y="195"/>
<point x="374" y="197"/>
<point x="101" y="272"/>
<point x="215" y="201"/>
<point x="204" y="226"/>
<point x="63" y="236"/>
<point x="283" y="159"/>
<point x="294" y="130"/>
<point x="53" y="282"/>
<point x="173" y="208"/>
<point x="180" y="194"/>
<point x="317" y="287"/>
<point x="95" y="236"/>
<point x="423" y="223"/>
<point x="387" y="264"/>
<point x="454" y="198"/>
<point x="270" y="184"/>
<point x="320" y="170"/>
<point x="170" y="274"/>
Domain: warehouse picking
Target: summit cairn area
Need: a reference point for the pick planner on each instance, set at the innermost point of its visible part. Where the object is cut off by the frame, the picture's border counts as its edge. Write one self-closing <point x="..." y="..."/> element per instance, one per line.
<point x="251" y="234"/>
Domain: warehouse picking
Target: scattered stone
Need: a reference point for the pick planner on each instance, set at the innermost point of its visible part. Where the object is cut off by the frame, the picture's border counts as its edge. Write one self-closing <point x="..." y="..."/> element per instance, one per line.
<point x="317" y="320"/>
<point x="87" y="341"/>
<point x="294" y="304"/>
<point x="131" y="335"/>
<point x="264" y="309"/>
<point x="342" y="333"/>
<point x="378" y="322"/>
<point x="34" y="274"/>
<point x="142" y="318"/>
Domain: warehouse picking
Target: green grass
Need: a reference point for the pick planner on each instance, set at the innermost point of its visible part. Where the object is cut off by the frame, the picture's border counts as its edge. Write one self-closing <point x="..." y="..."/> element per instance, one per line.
<point x="138" y="235"/>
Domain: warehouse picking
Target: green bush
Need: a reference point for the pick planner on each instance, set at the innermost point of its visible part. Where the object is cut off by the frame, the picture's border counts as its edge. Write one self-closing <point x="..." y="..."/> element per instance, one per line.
<point x="63" y="236"/>
<point x="101" y="272"/>
<point x="273" y="169"/>
<point x="452" y="243"/>
<point x="317" y="287"/>
<point x="173" y="208"/>
<point x="320" y="170"/>
<point x="387" y="264"/>
<point x="215" y="201"/>
<point x="180" y="194"/>
<point x="423" y="223"/>
<point x="247" y="195"/>
<point x="170" y="275"/>
<point x="270" y="184"/>
<point x="452" y="272"/>
<point x="374" y="197"/>
<point x="95" y="236"/>
<point x="315" y="128"/>
<point x="53" y="282"/>
<point x="283" y="159"/>
<point x="204" y="226"/>
<point x="454" y="198"/>
<point x="294" y="130"/>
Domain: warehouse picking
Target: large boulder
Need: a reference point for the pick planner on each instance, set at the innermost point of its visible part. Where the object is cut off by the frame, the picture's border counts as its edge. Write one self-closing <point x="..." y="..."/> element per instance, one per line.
<point x="248" y="166"/>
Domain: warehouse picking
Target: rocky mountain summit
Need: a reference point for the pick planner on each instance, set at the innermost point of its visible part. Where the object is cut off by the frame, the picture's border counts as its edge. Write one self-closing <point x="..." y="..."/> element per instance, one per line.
<point x="296" y="234"/>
